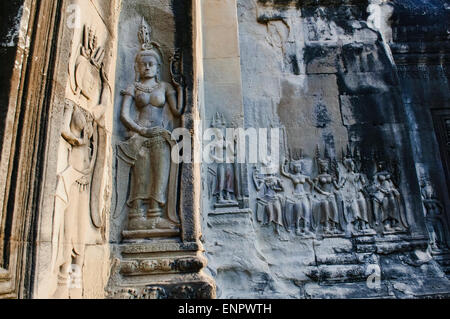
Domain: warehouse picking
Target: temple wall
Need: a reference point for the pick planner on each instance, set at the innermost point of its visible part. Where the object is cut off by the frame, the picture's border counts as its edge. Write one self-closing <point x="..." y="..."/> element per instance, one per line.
<point x="101" y="99"/>
<point x="325" y="75"/>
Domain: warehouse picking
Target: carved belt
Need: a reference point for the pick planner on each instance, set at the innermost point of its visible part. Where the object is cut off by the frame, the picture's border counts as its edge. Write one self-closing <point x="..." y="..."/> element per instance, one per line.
<point x="154" y="141"/>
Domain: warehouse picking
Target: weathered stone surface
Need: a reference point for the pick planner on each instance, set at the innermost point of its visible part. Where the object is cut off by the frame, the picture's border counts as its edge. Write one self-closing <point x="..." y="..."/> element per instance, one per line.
<point x="352" y="203"/>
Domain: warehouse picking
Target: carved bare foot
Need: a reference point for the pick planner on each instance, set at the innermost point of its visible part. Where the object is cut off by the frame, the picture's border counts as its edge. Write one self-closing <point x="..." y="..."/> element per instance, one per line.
<point x="277" y="229"/>
<point x="308" y="234"/>
<point x="387" y="227"/>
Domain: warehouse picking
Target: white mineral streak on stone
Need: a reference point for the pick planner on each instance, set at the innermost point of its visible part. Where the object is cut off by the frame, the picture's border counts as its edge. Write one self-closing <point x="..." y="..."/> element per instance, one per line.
<point x="379" y="19"/>
<point x="14" y="30"/>
<point x="380" y="13"/>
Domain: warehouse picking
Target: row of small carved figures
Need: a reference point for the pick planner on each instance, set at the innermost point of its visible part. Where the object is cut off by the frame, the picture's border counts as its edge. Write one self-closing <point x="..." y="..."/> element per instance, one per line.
<point x="334" y="203"/>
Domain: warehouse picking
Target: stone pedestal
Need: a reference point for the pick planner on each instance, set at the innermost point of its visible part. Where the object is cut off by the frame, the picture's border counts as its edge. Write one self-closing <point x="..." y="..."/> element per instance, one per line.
<point x="159" y="269"/>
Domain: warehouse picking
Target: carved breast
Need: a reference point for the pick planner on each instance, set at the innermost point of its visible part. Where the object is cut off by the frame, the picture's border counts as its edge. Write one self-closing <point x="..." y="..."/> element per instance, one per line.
<point x="299" y="180"/>
<point x="325" y="179"/>
<point x="156" y="98"/>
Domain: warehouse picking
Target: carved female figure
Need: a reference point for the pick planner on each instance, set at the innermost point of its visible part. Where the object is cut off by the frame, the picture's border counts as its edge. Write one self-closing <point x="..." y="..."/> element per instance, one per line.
<point x="352" y="191"/>
<point x="387" y="202"/>
<point x="148" y="150"/>
<point x="78" y="186"/>
<point x="221" y="150"/>
<point x="302" y="204"/>
<point x="270" y="205"/>
<point x="326" y="208"/>
<point x="433" y="216"/>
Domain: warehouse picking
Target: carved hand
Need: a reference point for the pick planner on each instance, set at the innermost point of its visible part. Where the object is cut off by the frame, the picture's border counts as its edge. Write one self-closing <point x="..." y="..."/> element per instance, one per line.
<point x="72" y="140"/>
<point x="97" y="57"/>
<point x="149" y="132"/>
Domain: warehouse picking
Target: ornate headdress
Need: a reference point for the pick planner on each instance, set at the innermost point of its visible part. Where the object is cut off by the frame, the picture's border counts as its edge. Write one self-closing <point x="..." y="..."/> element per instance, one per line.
<point x="148" y="47"/>
<point x="322" y="162"/>
<point x="219" y="121"/>
<point x="296" y="157"/>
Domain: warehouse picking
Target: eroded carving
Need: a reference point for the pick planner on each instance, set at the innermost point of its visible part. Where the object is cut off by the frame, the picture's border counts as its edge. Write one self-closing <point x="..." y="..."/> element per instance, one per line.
<point x="338" y="202"/>
<point x="433" y="212"/>
<point x="79" y="185"/>
<point x="269" y="204"/>
<point x="387" y="201"/>
<point x="224" y="173"/>
<point x="326" y="212"/>
<point x="299" y="208"/>
<point x="354" y="195"/>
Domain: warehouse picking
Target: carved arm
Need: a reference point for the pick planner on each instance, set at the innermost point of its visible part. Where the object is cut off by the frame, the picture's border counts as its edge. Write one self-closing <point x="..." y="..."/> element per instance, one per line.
<point x="125" y="116"/>
<point x="67" y="131"/>
<point x="105" y="98"/>
<point x="320" y="191"/>
<point x="258" y="183"/>
<point x="283" y="170"/>
<point x="175" y="100"/>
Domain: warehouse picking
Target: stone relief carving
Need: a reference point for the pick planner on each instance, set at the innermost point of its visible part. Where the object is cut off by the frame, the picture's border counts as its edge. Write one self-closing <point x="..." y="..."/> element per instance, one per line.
<point x="146" y="155"/>
<point x="77" y="199"/>
<point x="284" y="32"/>
<point x="270" y="202"/>
<point x="194" y="291"/>
<point x="155" y="266"/>
<point x="148" y="293"/>
<point x="225" y="177"/>
<point x="354" y="195"/>
<point x="299" y="208"/>
<point x="387" y="202"/>
<point x="326" y="213"/>
<point x="434" y="216"/>
<point x="338" y="202"/>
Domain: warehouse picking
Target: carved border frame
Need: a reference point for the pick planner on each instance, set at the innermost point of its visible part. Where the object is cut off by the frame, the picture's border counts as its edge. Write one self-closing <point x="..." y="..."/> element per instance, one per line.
<point x="23" y="153"/>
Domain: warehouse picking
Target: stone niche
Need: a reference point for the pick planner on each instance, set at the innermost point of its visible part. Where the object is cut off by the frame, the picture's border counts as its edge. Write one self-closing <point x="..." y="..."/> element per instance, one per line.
<point x="345" y="203"/>
<point x="154" y="230"/>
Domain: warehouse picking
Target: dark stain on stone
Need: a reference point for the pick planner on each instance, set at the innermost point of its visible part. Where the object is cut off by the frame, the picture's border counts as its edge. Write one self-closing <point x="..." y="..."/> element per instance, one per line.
<point x="294" y="64"/>
<point x="328" y="140"/>
<point x="321" y="115"/>
<point x="11" y="11"/>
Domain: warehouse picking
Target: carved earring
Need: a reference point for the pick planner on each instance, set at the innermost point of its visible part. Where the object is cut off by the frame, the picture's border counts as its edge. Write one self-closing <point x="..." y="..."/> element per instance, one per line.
<point x="136" y="72"/>
<point x="158" y="74"/>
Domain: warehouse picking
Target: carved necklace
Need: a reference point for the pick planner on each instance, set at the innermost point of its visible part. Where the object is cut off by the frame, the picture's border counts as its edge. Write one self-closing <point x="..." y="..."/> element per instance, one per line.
<point x="146" y="89"/>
